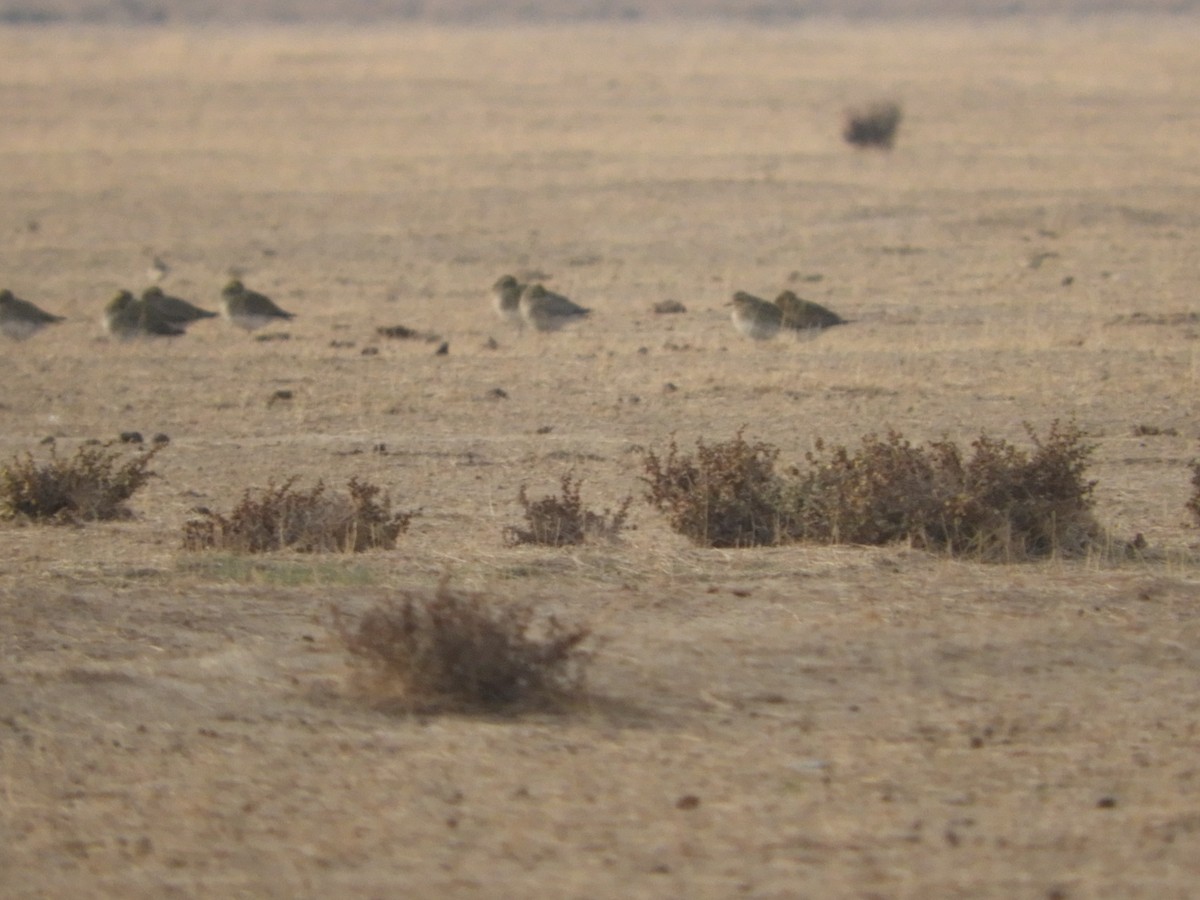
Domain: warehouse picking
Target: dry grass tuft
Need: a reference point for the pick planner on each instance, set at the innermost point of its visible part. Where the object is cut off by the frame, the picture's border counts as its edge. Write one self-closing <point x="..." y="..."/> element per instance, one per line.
<point x="998" y="503"/>
<point x="562" y="521"/>
<point x="315" y="521"/>
<point x="90" y="486"/>
<point x="466" y="651"/>
<point x="873" y="126"/>
<point x="726" y="495"/>
<point x="1193" y="504"/>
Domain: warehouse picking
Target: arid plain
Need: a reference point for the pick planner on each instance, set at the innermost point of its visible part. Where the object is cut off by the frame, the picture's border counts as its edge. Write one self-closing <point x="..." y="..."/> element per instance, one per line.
<point x="785" y="722"/>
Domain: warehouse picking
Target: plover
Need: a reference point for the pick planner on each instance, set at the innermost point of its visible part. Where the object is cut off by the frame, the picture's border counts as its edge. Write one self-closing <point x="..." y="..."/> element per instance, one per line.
<point x="158" y="270"/>
<point x="755" y="317"/>
<point x="249" y="309"/>
<point x="20" y="319"/>
<point x="506" y="298"/>
<point x="126" y="318"/>
<point x="547" y="311"/>
<point x="175" y="310"/>
<point x="804" y="315"/>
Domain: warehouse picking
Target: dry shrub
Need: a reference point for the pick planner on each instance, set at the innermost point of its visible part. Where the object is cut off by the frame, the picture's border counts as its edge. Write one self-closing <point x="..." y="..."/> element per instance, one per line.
<point x="1193" y="504"/>
<point x="998" y="502"/>
<point x="315" y="521"/>
<point x="562" y="521"/>
<point x="726" y="495"/>
<point x="873" y="126"/>
<point x="90" y="486"/>
<point x="463" y="650"/>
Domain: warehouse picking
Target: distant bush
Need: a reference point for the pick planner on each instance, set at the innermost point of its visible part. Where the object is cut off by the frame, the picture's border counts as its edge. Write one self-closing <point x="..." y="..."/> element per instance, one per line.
<point x="315" y="521"/>
<point x="562" y="521"/>
<point x="92" y="485"/>
<point x="725" y="495"/>
<point x="998" y="502"/>
<point x="465" y="650"/>
<point x="1193" y="504"/>
<point x="872" y="126"/>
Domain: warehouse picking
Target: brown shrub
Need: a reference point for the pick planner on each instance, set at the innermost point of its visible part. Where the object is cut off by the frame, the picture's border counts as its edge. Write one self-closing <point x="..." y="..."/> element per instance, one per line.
<point x="873" y="126"/>
<point x="1193" y="504"/>
<point x="562" y="521"/>
<point x="465" y="650"/>
<point x="92" y="485"/>
<point x="1000" y="503"/>
<point x="316" y="521"/>
<point x="997" y="503"/>
<point x="726" y="495"/>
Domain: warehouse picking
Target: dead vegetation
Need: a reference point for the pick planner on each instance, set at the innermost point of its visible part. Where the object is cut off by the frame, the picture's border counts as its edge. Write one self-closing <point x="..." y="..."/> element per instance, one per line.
<point x="563" y="521"/>
<point x="873" y="125"/>
<point x="314" y="521"/>
<point x="464" y="651"/>
<point x="92" y="485"/>
<point x="998" y="502"/>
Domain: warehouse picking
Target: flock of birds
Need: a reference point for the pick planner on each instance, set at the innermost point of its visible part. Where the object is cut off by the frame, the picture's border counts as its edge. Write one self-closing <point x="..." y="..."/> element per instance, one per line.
<point x="533" y="305"/>
<point x="158" y="314"/>
<point x="154" y="314"/>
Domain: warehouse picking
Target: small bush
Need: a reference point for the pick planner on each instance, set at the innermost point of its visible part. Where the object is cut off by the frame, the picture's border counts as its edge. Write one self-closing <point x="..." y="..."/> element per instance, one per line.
<point x="93" y="485"/>
<point x="316" y="521"/>
<point x="726" y="495"/>
<point x="465" y="650"/>
<point x="998" y="502"/>
<point x="873" y="126"/>
<point x="1193" y="504"/>
<point x="1001" y="502"/>
<point x="562" y="521"/>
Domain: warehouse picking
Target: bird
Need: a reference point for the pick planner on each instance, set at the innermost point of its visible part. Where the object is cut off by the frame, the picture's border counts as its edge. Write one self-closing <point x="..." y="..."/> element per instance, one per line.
<point x="547" y="311"/>
<point x="755" y="317"/>
<point x="175" y="310"/>
<point x="20" y="319"/>
<point x="126" y="318"/>
<point x="506" y="298"/>
<point x="158" y="270"/>
<point x="249" y="309"/>
<point x="803" y="315"/>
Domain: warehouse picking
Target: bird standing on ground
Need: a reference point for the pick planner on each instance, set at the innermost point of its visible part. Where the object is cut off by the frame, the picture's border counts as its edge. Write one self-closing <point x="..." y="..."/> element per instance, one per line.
<point x="175" y="310"/>
<point x="547" y="311"/>
<point x="506" y="299"/>
<point x="126" y="318"/>
<point x="249" y="309"/>
<point x="20" y="319"/>
<point x="802" y="315"/>
<point x="755" y="317"/>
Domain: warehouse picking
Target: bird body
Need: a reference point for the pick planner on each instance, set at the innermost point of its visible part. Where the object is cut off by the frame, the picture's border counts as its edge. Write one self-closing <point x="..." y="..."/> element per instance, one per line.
<point x="126" y="318"/>
<point x="755" y="317"/>
<point x="506" y="299"/>
<point x="547" y="311"/>
<point x="175" y="310"/>
<point x="249" y="309"/>
<point x="20" y="319"/>
<point x="802" y="315"/>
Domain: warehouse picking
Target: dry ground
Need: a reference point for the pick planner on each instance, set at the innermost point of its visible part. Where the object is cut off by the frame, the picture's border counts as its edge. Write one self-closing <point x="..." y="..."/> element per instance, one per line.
<point x="852" y="721"/>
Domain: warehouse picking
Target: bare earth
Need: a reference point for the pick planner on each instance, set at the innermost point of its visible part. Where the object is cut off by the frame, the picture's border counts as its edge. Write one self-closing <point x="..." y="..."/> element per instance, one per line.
<point x="851" y="722"/>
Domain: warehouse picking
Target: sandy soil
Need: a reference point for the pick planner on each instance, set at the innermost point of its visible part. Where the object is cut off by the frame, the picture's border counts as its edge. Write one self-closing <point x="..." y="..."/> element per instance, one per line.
<point x="871" y="722"/>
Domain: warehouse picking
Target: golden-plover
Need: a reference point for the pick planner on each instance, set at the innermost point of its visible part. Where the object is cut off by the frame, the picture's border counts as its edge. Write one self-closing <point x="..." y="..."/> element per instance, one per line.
<point x="804" y="315"/>
<point x="506" y="298"/>
<point x="175" y="310"/>
<point x="20" y="319"/>
<point x="547" y="311"/>
<point x="755" y="317"/>
<point x="249" y="309"/>
<point x="126" y="318"/>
